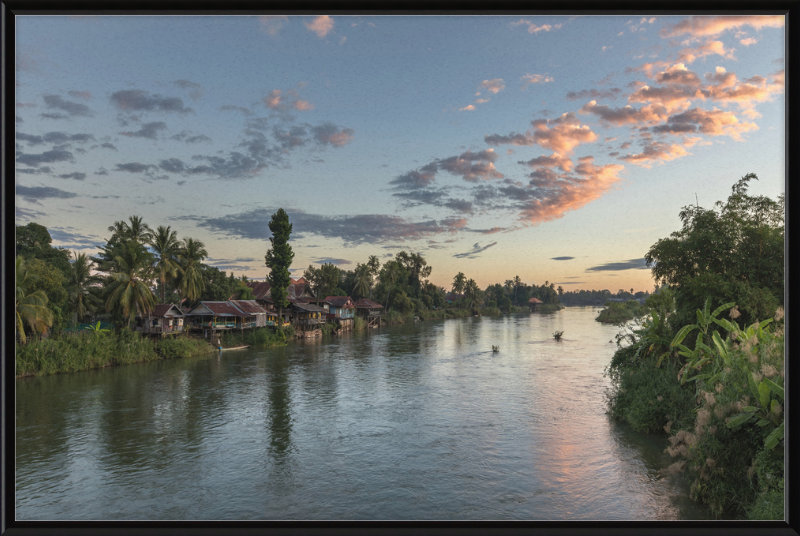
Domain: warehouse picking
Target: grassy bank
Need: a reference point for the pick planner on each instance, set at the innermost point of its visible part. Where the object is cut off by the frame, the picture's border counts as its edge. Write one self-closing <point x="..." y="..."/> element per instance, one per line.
<point x="93" y="351"/>
<point x="258" y="338"/>
<point x="718" y="397"/>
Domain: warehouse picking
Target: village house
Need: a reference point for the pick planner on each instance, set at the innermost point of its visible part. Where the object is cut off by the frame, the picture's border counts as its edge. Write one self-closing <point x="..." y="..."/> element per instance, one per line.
<point x="341" y="310"/>
<point x="296" y="292"/>
<point x="164" y="319"/>
<point x="369" y="311"/>
<point x="211" y="316"/>
<point x="535" y="303"/>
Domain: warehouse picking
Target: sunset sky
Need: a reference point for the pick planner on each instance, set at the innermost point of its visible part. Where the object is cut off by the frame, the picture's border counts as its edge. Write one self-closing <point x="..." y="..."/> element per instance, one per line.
<point x="555" y="148"/>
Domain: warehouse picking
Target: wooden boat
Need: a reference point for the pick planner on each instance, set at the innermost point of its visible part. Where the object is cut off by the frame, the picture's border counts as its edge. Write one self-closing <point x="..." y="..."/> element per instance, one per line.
<point x="235" y="348"/>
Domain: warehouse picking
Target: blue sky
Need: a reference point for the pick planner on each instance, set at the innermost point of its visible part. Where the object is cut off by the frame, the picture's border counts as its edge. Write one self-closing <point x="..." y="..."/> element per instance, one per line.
<point x="554" y="148"/>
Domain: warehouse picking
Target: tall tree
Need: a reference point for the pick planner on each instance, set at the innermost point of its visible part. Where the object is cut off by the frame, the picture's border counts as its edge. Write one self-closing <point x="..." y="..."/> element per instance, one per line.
<point x="471" y="291"/>
<point x="362" y="287"/>
<point x="279" y="258"/>
<point x="517" y="283"/>
<point x="166" y="248"/>
<point x="82" y="300"/>
<point x="31" y="307"/>
<point x="190" y="259"/>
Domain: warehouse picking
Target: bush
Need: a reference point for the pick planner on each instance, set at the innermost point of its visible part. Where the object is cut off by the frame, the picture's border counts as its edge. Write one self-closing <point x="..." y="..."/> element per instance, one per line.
<point x="619" y="312"/>
<point x="359" y="323"/>
<point x="259" y="337"/>
<point x="182" y="347"/>
<point x="393" y="317"/>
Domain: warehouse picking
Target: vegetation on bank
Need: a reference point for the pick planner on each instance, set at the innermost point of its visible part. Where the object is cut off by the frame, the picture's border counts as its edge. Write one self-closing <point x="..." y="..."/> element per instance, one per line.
<point x="258" y="338"/>
<point x="85" y="351"/>
<point x="616" y="312"/>
<point x="705" y="363"/>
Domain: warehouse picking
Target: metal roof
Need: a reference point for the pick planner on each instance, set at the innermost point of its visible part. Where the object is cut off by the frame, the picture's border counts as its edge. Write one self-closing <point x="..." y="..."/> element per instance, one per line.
<point x="250" y="307"/>
<point x="344" y="302"/>
<point x="364" y="303"/>
<point x="163" y="308"/>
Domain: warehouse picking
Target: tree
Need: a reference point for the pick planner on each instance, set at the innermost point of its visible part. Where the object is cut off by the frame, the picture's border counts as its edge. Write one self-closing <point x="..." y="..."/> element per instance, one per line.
<point x="129" y="291"/>
<point x="733" y="254"/>
<point x="389" y="275"/>
<point x="166" y="247"/>
<point x="362" y="287"/>
<point x="138" y="230"/>
<point x="190" y="258"/>
<point x="31" y="307"/>
<point x="458" y="282"/>
<point x="517" y="283"/>
<point x="560" y="290"/>
<point x="279" y="258"/>
<point x="471" y="291"/>
<point x="82" y="300"/>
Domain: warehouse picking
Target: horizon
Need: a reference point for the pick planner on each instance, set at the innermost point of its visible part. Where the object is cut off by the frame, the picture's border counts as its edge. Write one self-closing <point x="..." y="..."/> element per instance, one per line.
<point x="563" y="147"/>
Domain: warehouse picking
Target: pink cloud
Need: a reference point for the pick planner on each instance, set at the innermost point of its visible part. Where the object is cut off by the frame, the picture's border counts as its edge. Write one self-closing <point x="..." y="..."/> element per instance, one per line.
<point x="656" y="151"/>
<point x="494" y="85"/>
<point x="320" y="25"/>
<point x="689" y="55"/>
<point x="467" y="108"/>
<point x="535" y="79"/>
<point x="713" y="123"/>
<point x="705" y="26"/>
<point x="303" y="105"/>
<point x="554" y="160"/>
<point x="472" y="167"/>
<point x="566" y="134"/>
<point x="273" y="100"/>
<point x="534" y="29"/>
<point x="749" y="41"/>
<point x="272" y="24"/>
<point x="649" y="114"/>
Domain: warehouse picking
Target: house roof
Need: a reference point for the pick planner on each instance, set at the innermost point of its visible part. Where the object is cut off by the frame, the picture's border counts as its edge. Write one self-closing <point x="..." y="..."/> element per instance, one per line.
<point x="250" y="307"/>
<point x="219" y="308"/>
<point x="307" y="307"/>
<point x="535" y="300"/>
<point x="344" y="302"/>
<point x="368" y="304"/>
<point x="163" y="308"/>
<point x="260" y="289"/>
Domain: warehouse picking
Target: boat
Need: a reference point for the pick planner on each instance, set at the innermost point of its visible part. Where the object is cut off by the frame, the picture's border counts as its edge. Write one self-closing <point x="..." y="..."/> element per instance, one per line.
<point x="235" y="348"/>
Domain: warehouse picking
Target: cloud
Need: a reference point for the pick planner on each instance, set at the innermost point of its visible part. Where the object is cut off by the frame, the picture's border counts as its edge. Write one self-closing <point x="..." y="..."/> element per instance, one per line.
<point x="749" y="41"/>
<point x="78" y="176"/>
<point x="352" y="229"/>
<point x="172" y="165"/>
<point x="656" y="151"/>
<point x="56" y="155"/>
<point x="535" y="79"/>
<point x="495" y="85"/>
<point x="137" y="100"/>
<point x="148" y="130"/>
<point x="195" y="90"/>
<point x="231" y="107"/>
<point x="330" y="134"/>
<point x="187" y="136"/>
<point x="422" y="178"/>
<point x="85" y="95"/>
<point x="473" y="253"/>
<point x="612" y="93"/>
<point x="554" y="160"/>
<point x="705" y="26"/>
<point x="632" y="264"/>
<point x="472" y="167"/>
<point x="533" y="28"/>
<point x="330" y="260"/>
<point x="467" y="108"/>
<point x="714" y="123"/>
<point x="72" y="108"/>
<point x="689" y="55"/>
<point x="321" y="25"/>
<point x="35" y="193"/>
<point x="562" y="258"/>
<point x="285" y="100"/>
<point x="25" y="214"/>
<point x="66" y="239"/>
<point x="649" y="114"/>
<point x="134" y="167"/>
<point x="272" y="24"/>
<point x="566" y="134"/>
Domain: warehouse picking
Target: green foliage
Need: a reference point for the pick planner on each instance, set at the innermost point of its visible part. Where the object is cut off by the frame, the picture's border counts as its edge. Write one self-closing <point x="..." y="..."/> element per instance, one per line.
<point x="257" y="338"/>
<point x="359" y="324"/>
<point x="128" y="292"/>
<point x="31" y="306"/>
<point x="734" y="254"/>
<point x="393" y="317"/>
<point x="181" y="347"/>
<point x="190" y="278"/>
<point x="216" y="285"/>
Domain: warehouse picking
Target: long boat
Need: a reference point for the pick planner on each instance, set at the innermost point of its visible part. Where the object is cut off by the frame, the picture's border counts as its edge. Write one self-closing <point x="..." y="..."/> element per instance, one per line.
<point x="235" y="348"/>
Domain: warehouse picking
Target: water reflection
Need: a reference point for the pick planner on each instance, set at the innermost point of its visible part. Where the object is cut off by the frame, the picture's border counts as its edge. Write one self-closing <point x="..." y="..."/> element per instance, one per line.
<point x="418" y="421"/>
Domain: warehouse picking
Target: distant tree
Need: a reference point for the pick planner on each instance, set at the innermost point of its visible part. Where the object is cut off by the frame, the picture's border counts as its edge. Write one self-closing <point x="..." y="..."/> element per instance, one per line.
<point x="82" y="299"/>
<point x="279" y="259"/>
<point x="560" y="290"/>
<point x="517" y="284"/>
<point x="471" y="291"/>
<point x="362" y="286"/>
<point x="389" y="275"/>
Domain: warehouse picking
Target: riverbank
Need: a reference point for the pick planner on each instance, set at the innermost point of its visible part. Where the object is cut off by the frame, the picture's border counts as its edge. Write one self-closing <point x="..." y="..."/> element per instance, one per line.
<point x="86" y="351"/>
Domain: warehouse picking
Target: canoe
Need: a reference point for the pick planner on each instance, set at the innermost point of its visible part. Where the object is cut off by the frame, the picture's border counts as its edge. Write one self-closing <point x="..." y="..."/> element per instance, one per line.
<point x="235" y="348"/>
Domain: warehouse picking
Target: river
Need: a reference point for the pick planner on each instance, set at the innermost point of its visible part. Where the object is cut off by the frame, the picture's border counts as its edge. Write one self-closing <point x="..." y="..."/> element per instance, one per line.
<point x="417" y="421"/>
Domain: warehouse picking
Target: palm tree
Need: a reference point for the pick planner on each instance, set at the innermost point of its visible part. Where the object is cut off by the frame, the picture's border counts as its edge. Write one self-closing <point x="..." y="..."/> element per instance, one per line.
<point x="517" y="283"/>
<point x="166" y="246"/>
<point x="388" y="276"/>
<point x="560" y="291"/>
<point x="458" y="282"/>
<point x="138" y="230"/>
<point x="471" y="291"/>
<point x="31" y="308"/>
<point x="509" y="284"/>
<point x="129" y="292"/>
<point x="190" y="258"/>
<point x="83" y="301"/>
<point x="363" y="284"/>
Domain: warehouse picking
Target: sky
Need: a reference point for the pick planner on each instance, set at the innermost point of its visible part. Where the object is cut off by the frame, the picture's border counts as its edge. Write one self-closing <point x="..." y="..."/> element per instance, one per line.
<point x="555" y="148"/>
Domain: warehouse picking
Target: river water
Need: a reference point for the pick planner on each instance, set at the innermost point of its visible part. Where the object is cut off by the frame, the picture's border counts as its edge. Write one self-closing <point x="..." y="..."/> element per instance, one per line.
<point x="417" y="421"/>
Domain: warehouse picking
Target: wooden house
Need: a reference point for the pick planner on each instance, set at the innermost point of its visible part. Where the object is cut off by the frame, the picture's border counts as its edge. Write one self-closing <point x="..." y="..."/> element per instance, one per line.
<point x="340" y="307"/>
<point x="307" y="315"/>
<point x="369" y="311"/>
<point x="164" y="319"/>
<point x="534" y="304"/>
<point x="222" y="316"/>
<point x="251" y="307"/>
